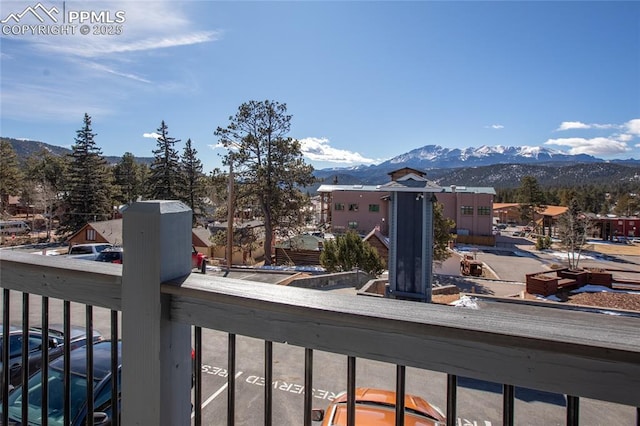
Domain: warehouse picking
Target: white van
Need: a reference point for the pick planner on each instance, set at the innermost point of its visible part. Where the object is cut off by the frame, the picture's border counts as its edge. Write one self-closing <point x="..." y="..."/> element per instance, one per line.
<point x="14" y="227"/>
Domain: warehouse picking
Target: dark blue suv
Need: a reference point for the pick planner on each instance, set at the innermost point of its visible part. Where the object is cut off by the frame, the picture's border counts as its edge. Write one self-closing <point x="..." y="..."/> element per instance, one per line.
<point x="103" y="410"/>
<point x="55" y="343"/>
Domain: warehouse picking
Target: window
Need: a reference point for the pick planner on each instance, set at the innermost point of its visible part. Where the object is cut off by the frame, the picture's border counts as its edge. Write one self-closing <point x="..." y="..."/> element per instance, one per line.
<point x="353" y="225"/>
<point x="374" y="207"/>
<point x="484" y="211"/>
<point x="338" y="206"/>
<point x="466" y="210"/>
<point x="91" y="234"/>
<point x="353" y="207"/>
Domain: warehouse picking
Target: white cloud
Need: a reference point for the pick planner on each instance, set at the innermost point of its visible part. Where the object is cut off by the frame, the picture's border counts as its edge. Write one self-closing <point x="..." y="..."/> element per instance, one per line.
<point x="104" y="68"/>
<point x="318" y="149"/>
<point x="152" y="135"/>
<point x="495" y="126"/>
<point x="596" y="146"/>
<point x="568" y="125"/>
<point x="106" y="46"/>
<point x="98" y="72"/>
<point x="146" y="26"/>
<point x="571" y="125"/>
<point x="633" y="126"/>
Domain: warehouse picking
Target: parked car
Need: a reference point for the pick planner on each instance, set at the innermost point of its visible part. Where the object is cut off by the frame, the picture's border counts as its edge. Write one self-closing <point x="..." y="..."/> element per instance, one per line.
<point x="103" y="411"/>
<point x="377" y="407"/>
<point x="87" y="251"/>
<point x="110" y="255"/>
<point x="198" y="260"/>
<point x="78" y="338"/>
<point x="14" y="227"/>
<point x="102" y="376"/>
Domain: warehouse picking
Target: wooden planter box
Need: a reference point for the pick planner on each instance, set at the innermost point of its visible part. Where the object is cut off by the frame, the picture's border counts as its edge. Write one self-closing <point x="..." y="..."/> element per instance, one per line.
<point x="600" y="277"/>
<point x="580" y="276"/>
<point x="543" y="285"/>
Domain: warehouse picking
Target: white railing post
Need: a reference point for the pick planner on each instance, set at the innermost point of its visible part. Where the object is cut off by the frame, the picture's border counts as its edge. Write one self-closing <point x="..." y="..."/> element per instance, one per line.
<point x="156" y="353"/>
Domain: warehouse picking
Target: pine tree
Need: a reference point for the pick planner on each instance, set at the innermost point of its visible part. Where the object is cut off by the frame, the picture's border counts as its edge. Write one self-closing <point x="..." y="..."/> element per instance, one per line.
<point x="10" y="175"/>
<point x="530" y="197"/>
<point x="89" y="192"/>
<point x="442" y="227"/>
<point x="195" y="188"/>
<point x="129" y="179"/>
<point x="267" y="162"/>
<point x="166" y="180"/>
<point x="349" y="251"/>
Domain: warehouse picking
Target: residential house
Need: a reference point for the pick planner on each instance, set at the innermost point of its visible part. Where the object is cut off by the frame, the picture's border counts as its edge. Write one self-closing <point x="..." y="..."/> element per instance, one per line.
<point x="380" y="242"/>
<point x="110" y="231"/>
<point x="107" y="231"/>
<point x="202" y="241"/>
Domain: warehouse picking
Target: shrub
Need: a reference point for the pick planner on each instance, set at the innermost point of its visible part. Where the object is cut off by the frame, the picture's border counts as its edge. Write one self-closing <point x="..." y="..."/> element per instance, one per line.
<point x="348" y="252"/>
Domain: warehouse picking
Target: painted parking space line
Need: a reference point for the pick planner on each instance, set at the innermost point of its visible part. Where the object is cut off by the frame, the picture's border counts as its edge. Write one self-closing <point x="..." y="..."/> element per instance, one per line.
<point x="217" y="393"/>
<point x="465" y="422"/>
<point x="295" y="388"/>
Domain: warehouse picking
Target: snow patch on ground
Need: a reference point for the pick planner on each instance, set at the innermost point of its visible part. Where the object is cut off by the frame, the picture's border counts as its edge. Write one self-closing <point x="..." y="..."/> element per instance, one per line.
<point x="465" y="302"/>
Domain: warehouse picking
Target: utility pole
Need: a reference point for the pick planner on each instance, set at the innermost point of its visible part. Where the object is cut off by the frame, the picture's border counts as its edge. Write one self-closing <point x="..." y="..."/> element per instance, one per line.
<point x="230" y="215"/>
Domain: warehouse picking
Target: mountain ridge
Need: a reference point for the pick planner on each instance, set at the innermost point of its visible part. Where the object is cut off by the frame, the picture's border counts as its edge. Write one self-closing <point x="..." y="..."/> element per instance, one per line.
<point x="498" y="166"/>
<point x="25" y="148"/>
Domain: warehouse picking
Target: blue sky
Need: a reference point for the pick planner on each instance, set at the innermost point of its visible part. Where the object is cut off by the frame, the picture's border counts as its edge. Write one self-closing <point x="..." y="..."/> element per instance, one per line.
<point x="364" y="81"/>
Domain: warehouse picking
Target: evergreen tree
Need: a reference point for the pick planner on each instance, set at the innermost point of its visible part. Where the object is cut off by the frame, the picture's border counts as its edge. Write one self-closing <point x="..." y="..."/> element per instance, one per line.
<point x="442" y="227"/>
<point x="530" y="197"/>
<point x="10" y="175"/>
<point x="195" y="189"/>
<point x="627" y="205"/>
<point x="88" y="196"/>
<point x="129" y="177"/>
<point x="347" y="252"/>
<point x="267" y="162"/>
<point x="166" y="180"/>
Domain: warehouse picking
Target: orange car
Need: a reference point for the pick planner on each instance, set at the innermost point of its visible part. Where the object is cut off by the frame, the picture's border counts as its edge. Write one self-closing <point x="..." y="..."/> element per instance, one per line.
<point x="377" y="407"/>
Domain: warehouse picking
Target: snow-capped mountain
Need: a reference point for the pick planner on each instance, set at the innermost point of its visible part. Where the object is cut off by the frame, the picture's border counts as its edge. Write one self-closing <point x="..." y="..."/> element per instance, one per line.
<point x="435" y="156"/>
<point x="501" y="166"/>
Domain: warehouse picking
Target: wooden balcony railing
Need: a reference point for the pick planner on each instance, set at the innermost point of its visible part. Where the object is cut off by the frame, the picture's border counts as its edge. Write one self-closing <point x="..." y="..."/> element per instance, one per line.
<point x="576" y="354"/>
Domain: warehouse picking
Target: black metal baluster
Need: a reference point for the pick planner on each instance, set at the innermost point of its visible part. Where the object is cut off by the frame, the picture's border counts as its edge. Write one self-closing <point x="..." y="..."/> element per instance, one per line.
<point x="115" y="376"/>
<point x="401" y="385"/>
<point x="25" y="358"/>
<point x="268" y="382"/>
<point x="573" y="410"/>
<point x="197" y="375"/>
<point x="508" y="397"/>
<point x="5" y="356"/>
<point x="45" y="361"/>
<point x="67" y="360"/>
<point x="231" y="380"/>
<point x="452" y="399"/>
<point x="351" y="391"/>
<point x="89" y="347"/>
<point x="308" y="385"/>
